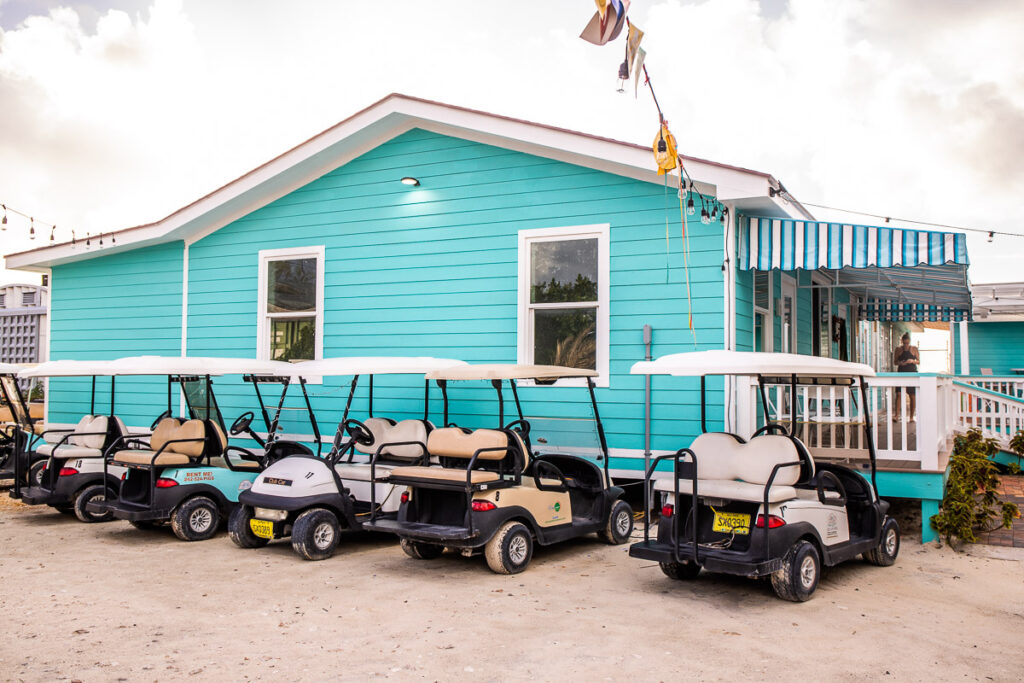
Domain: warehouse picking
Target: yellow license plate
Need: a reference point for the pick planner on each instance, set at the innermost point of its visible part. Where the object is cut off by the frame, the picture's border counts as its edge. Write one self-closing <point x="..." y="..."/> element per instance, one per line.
<point x="731" y="522"/>
<point x="262" y="528"/>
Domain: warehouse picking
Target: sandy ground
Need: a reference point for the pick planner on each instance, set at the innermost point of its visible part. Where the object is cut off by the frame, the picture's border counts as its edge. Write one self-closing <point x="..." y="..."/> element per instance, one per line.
<point x="110" y="603"/>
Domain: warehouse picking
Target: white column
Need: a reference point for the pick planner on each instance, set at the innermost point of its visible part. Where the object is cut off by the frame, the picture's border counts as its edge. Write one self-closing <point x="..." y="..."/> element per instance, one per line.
<point x="965" y="352"/>
<point x="927" y="422"/>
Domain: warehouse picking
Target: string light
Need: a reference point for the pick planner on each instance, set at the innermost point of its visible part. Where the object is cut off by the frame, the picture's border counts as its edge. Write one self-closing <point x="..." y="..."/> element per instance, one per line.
<point x="53" y="228"/>
<point x="4" y="222"/>
<point x="31" y="228"/>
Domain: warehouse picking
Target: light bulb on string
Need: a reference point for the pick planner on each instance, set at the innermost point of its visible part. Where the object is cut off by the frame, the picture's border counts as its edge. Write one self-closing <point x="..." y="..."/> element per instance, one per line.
<point x="113" y="240"/>
<point x="73" y="241"/>
<point x="3" y="223"/>
<point x="714" y="211"/>
<point x="690" y="208"/>
<point x="31" y="228"/>
<point x="52" y="229"/>
<point x="101" y="239"/>
<point x="682" y="189"/>
<point x="87" y="241"/>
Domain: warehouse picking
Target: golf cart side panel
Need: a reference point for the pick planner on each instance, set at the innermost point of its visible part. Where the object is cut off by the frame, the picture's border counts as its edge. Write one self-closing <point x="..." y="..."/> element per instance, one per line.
<point x="227" y="482"/>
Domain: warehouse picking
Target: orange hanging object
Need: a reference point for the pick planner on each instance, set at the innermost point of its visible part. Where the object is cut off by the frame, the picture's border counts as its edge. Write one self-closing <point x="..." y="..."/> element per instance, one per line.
<point x="664" y="147"/>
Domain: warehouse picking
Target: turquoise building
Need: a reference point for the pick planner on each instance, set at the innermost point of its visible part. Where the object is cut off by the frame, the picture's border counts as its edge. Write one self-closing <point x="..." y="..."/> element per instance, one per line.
<point x="418" y="228"/>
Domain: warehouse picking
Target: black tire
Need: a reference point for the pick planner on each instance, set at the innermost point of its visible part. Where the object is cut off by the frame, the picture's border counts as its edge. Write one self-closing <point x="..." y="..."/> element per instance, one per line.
<point x="509" y="551"/>
<point x="888" y="548"/>
<point x="88" y="494"/>
<point x="315" y="534"/>
<point x="35" y="473"/>
<point x="239" y="530"/>
<point x="680" y="571"/>
<point x="146" y="524"/>
<point x="619" y="525"/>
<point x="196" y="519"/>
<point x="421" y="551"/>
<point x="801" y="570"/>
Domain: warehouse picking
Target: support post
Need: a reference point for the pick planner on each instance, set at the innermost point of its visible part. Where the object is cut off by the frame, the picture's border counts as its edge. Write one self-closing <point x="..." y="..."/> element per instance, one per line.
<point x="929" y="507"/>
<point x="648" y="337"/>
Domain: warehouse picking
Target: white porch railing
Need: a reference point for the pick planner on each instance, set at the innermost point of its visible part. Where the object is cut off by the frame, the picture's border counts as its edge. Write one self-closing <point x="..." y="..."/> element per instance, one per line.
<point x="830" y="420"/>
<point x="1011" y="386"/>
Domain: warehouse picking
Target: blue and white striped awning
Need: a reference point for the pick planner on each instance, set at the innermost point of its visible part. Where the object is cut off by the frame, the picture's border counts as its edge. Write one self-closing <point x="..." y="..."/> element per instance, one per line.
<point x="773" y="243"/>
<point x="909" y="275"/>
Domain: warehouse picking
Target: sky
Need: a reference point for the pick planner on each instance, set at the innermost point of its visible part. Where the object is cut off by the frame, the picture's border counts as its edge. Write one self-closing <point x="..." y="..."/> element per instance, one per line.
<point x="117" y="112"/>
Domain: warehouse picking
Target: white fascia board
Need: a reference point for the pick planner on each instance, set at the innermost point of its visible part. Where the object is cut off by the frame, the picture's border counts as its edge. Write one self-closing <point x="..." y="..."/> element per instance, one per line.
<point x="372" y="127"/>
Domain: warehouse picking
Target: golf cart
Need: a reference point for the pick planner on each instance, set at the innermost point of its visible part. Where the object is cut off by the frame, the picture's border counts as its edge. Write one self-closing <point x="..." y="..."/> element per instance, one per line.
<point x="19" y="430"/>
<point x="762" y="507"/>
<point x="74" y="471"/>
<point x="186" y="473"/>
<point x="488" y="490"/>
<point x="311" y="499"/>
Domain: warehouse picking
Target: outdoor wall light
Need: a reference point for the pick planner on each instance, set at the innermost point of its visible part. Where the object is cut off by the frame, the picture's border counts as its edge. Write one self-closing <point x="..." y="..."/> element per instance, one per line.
<point x="409" y="180"/>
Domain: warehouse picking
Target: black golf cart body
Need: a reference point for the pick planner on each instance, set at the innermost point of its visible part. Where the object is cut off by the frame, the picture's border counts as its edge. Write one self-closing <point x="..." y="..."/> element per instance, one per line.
<point x="74" y="469"/>
<point x="472" y="488"/>
<point x="190" y="462"/>
<point x="338" y="488"/>
<point x="751" y="506"/>
<point x="19" y="430"/>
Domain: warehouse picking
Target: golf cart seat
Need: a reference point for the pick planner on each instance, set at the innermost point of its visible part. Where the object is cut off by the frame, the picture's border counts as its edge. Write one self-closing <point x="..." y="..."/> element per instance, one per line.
<point x="385" y="432"/>
<point x="87" y="440"/>
<point x="731" y="469"/>
<point x="177" y="444"/>
<point x="454" y="446"/>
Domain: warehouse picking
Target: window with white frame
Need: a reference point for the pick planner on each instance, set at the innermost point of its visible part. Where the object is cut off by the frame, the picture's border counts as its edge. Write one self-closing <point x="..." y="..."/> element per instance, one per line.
<point x="762" y="286"/>
<point x="291" y="304"/>
<point x="563" y="297"/>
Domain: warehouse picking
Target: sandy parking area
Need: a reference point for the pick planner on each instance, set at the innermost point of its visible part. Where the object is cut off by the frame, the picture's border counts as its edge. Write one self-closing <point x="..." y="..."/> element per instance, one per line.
<point x="108" y="602"/>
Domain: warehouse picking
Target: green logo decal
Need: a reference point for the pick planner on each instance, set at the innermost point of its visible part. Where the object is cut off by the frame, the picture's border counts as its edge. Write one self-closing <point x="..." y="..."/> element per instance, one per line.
<point x="558" y="507"/>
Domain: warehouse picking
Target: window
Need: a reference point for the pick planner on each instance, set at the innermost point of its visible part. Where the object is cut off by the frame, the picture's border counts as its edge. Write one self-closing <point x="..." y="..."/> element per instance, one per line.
<point x="563" y="298"/>
<point x="291" y="304"/>
<point x="762" y="286"/>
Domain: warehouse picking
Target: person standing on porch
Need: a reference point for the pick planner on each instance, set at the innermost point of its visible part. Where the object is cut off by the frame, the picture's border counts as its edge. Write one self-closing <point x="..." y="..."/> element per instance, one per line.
<point x="906" y="359"/>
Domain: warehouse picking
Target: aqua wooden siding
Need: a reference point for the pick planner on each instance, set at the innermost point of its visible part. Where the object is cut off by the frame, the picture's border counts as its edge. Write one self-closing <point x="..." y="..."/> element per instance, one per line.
<point x="996" y="346"/>
<point x="123" y="304"/>
<point x="433" y="271"/>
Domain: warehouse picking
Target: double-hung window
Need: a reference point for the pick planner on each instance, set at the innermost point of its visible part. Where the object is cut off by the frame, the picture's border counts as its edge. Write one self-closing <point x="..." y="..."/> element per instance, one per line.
<point x="563" y="298"/>
<point x="291" y="304"/>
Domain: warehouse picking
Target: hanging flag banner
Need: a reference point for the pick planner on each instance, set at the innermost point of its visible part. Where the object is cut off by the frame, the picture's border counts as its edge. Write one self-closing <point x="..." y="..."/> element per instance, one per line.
<point x="633" y="39"/>
<point x="640" y="54"/>
<point x="606" y="26"/>
<point x="665" y="149"/>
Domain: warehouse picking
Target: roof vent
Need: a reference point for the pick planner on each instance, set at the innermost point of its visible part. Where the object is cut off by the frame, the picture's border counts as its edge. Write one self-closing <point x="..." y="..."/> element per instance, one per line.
<point x="28" y="298"/>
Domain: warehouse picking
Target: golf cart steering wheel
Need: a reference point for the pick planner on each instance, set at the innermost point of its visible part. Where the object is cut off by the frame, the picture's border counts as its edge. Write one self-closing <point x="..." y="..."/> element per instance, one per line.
<point x="241" y="423"/>
<point x="359" y="432"/>
<point x="160" y="418"/>
<point x="767" y="429"/>
<point x="523" y="425"/>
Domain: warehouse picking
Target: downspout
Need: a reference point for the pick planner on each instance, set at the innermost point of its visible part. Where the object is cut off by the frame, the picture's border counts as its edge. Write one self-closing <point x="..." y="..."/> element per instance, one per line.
<point x="647" y="400"/>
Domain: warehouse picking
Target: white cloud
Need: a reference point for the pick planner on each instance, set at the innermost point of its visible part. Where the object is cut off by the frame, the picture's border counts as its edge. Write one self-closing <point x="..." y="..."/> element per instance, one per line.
<point x="113" y="118"/>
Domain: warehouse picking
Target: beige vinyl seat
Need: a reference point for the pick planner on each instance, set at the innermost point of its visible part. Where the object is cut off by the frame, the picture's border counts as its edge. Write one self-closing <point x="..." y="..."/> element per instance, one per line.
<point x="386" y="432"/>
<point x="730" y="469"/>
<point x="87" y="439"/>
<point x="181" y="453"/>
<point x="453" y="443"/>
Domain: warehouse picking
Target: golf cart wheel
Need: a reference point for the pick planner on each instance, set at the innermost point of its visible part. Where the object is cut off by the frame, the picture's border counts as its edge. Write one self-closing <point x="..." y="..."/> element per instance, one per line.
<point x="510" y="550"/>
<point x="801" y="569"/>
<point x="888" y="548"/>
<point x="680" y="571"/>
<point x="35" y="473"/>
<point x="239" y="530"/>
<point x="422" y="551"/>
<point x="619" y="525"/>
<point x="196" y="519"/>
<point x="87" y="495"/>
<point x="315" y="534"/>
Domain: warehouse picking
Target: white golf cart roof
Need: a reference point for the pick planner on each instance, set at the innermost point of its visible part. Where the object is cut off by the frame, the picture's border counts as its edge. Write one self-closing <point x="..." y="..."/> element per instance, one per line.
<point x="698" y="363"/>
<point x="161" y="365"/>
<point x="11" y="368"/>
<point x="509" y="371"/>
<point x="372" y="365"/>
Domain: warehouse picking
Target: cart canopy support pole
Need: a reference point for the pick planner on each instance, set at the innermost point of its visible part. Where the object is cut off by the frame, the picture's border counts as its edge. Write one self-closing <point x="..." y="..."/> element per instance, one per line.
<point x="600" y="428"/>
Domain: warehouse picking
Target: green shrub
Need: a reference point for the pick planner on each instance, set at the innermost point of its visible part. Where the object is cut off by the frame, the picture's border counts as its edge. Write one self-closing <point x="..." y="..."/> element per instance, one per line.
<point x="970" y="503"/>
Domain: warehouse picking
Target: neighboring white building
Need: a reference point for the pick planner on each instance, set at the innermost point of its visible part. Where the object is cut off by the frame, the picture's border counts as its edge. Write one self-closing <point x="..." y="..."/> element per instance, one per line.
<point x="23" y="311"/>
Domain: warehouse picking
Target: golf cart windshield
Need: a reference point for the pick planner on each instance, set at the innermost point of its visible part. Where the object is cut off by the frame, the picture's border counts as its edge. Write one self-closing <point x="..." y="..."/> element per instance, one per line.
<point x="574" y="436"/>
<point x="202" y="404"/>
<point x="11" y="396"/>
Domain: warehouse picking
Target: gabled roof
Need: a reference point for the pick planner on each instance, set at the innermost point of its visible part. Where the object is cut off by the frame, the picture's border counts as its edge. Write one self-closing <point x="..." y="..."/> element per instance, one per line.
<point x="390" y="117"/>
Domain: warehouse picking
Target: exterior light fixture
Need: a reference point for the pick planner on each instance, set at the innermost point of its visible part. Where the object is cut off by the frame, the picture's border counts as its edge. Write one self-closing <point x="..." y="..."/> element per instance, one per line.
<point x="409" y="180"/>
